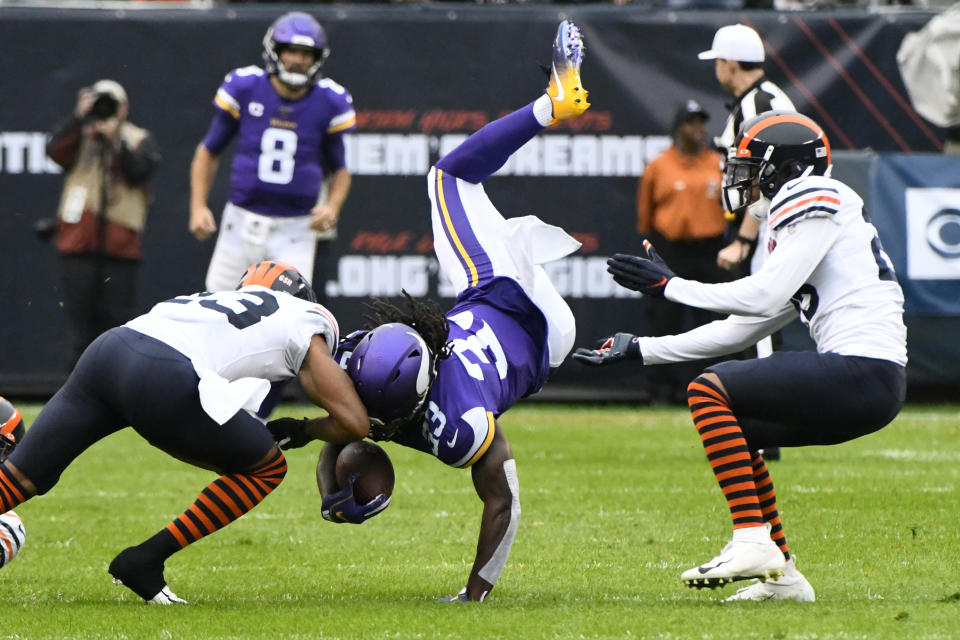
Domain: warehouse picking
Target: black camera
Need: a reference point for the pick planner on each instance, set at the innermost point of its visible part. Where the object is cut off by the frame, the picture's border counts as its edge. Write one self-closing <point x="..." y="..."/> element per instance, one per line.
<point x="104" y="107"/>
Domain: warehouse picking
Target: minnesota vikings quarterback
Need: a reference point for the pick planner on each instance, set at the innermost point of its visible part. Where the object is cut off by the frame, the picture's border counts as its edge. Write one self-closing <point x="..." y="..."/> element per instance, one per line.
<point x="289" y="124"/>
<point x="437" y="382"/>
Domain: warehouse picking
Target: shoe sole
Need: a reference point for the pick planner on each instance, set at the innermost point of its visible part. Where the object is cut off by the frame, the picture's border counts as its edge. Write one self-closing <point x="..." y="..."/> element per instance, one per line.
<point x="713" y="583"/>
<point x="569" y="43"/>
<point x="165" y="596"/>
<point x="568" y="53"/>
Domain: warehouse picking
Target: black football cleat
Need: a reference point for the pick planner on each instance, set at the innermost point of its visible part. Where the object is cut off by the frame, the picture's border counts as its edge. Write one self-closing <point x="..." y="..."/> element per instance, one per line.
<point x="143" y="575"/>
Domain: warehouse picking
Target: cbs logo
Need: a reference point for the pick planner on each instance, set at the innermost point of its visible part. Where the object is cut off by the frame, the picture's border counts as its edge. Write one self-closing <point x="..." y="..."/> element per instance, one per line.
<point x="943" y="233"/>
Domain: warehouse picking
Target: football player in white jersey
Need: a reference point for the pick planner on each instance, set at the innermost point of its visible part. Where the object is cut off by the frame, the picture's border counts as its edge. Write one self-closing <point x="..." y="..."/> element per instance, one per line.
<point x="188" y="377"/>
<point x="825" y="262"/>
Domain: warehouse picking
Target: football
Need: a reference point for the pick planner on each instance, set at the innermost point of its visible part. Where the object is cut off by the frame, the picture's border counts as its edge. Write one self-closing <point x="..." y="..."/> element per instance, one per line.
<point x="12" y="536"/>
<point x="374" y="466"/>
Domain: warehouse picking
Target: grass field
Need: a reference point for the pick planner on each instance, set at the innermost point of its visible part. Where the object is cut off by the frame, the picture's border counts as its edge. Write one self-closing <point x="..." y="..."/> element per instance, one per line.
<point x="616" y="503"/>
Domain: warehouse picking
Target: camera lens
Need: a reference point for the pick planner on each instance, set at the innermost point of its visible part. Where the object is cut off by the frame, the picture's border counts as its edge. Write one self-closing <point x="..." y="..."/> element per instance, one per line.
<point x="104" y="106"/>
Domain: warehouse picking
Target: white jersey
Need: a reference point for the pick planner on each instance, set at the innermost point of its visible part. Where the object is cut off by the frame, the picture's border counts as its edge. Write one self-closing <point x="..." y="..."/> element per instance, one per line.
<point x="239" y="341"/>
<point x="824" y="261"/>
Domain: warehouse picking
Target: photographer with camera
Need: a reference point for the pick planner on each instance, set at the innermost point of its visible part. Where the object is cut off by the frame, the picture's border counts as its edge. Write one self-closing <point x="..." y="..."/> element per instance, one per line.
<point x="108" y="164"/>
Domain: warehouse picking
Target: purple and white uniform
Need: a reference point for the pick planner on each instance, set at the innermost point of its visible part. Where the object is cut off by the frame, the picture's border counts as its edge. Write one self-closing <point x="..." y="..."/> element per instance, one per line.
<point x="509" y="324"/>
<point x="283" y="149"/>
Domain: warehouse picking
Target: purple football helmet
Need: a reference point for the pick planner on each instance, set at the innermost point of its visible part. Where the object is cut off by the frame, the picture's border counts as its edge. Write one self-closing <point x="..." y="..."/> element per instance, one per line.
<point x="295" y="29"/>
<point x="392" y="369"/>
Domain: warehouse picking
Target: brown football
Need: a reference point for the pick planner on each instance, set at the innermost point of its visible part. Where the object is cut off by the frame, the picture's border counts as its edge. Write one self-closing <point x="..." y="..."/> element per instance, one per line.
<point x="372" y="463"/>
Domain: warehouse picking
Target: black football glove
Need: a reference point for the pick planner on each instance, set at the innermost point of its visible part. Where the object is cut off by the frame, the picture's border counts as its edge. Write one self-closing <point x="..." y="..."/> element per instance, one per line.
<point x="648" y="275"/>
<point x="622" y="346"/>
<point x="289" y="433"/>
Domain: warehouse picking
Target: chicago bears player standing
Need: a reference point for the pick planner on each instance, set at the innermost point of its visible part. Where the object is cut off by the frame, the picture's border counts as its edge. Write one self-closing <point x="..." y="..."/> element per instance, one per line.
<point x="437" y="382"/>
<point x="187" y="377"/>
<point x="289" y="124"/>
<point x="825" y="262"/>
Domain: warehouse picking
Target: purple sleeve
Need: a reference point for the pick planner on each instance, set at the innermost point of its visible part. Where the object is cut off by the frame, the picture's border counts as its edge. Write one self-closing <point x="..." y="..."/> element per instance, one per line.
<point x="488" y="149"/>
<point x="222" y="129"/>
<point x="332" y="154"/>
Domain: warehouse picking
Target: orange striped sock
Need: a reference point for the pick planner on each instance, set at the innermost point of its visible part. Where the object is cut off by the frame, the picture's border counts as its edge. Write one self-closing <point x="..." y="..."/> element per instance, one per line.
<point x="726" y="450"/>
<point x="768" y="503"/>
<point x="11" y="492"/>
<point x="226" y="499"/>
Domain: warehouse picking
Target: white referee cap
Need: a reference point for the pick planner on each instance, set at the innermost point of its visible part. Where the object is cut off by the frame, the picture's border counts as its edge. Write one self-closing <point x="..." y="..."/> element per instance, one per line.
<point x="735" y="42"/>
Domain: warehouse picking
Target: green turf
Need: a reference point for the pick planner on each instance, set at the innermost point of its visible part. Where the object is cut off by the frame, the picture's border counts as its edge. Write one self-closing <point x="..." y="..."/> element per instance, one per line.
<point x="616" y="503"/>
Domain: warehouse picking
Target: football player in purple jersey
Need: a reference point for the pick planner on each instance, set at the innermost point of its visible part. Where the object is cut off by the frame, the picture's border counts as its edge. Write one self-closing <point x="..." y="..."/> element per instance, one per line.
<point x="289" y="123"/>
<point x="437" y="382"/>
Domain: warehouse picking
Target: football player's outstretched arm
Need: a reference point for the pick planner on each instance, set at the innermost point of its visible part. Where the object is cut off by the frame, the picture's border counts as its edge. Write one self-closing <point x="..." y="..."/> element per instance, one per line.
<point x="202" y="171"/>
<point x="328" y="386"/>
<point x="495" y="479"/>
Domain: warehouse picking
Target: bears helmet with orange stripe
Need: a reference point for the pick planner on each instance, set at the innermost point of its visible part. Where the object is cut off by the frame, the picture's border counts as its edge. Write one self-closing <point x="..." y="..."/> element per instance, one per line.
<point x="770" y="150"/>
<point x="278" y="277"/>
<point x="11" y="428"/>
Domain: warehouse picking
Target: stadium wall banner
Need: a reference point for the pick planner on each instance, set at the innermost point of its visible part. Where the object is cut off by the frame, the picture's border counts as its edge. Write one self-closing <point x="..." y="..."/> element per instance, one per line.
<point x="920" y="223"/>
<point x="422" y="78"/>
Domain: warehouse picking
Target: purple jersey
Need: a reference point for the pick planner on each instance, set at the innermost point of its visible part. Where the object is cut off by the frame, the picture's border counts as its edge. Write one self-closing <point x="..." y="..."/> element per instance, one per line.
<point x="279" y="161"/>
<point x="499" y="340"/>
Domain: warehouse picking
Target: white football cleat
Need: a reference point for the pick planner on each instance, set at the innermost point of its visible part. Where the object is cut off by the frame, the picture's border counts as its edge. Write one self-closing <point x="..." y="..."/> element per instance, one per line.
<point x="792" y="585"/>
<point x="166" y="597"/>
<point x="739" y="560"/>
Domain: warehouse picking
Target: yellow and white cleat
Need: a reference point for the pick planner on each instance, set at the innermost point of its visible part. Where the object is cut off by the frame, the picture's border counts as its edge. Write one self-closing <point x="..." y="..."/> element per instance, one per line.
<point x="567" y="95"/>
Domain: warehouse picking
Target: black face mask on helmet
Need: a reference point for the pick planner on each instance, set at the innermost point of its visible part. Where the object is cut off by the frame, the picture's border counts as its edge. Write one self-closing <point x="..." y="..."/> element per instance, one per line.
<point x="771" y="150"/>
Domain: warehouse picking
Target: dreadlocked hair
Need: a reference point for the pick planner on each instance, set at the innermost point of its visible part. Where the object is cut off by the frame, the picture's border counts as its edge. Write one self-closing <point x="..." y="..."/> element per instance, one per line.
<point x="424" y="316"/>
